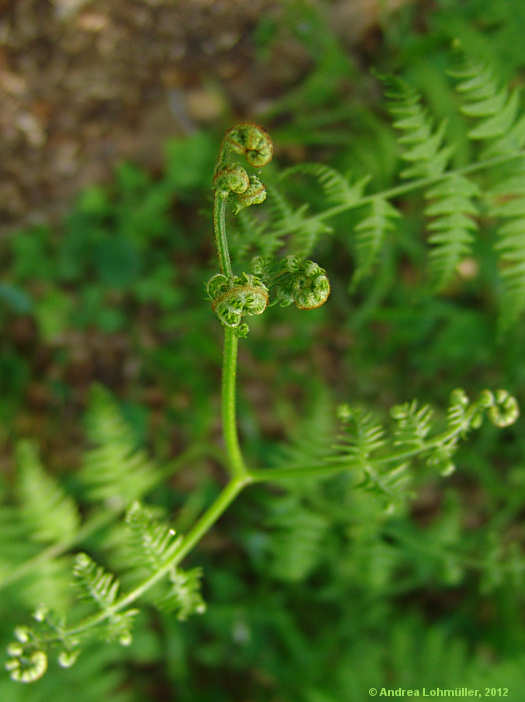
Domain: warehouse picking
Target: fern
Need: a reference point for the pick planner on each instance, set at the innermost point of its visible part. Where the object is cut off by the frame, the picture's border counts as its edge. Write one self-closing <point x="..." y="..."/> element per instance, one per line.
<point x="336" y="188"/>
<point x="47" y="510"/>
<point x="494" y="106"/>
<point x="154" y="542"/>
<point x="508" y="205"/>
<point x="114" y="469"/>
<point x="370" y="236"/>
<point x="184" y="597"/>
<point x="101" y="588"/>
<point x="453" y="208"/>
<point x="412" y="425"/>
<point x="423" y="145"/>
<point x="297" y="533"/>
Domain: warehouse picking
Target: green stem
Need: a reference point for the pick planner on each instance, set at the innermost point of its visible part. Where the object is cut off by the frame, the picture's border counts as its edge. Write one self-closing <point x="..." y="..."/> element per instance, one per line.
<point x="320" y="470"/>
<point x="399" y="190"/>
<point x="228" y="403"/>
<point x="219" y="227"/>
<point x="212" y="514"/>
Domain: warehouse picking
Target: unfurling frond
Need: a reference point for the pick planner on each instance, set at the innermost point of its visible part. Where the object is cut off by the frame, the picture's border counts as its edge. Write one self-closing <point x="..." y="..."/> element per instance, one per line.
<point x="114" y="469"/>
<point x="422" y="145"/>
<point x="384" y="457"/>
<point x="452" y="207"/>
<point x="184" y="595"/>
<point x="412" y="424"/>
<point x="46" y="509"/>
<point x="154" y="542"/>
<point x="363" y="436"/>
<point x="100" y="587"/>
<point x="370" y="236"/>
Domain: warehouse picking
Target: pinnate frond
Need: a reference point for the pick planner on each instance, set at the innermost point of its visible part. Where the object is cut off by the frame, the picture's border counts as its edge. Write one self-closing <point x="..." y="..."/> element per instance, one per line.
<point x="423" y="146"/>
<point x="370" y="236"/>
<point x="154" y="542"/>
<point x="297" y="534"/>
<point x="184" y="596"/>
<point x="452" y="207"/>
<point x="412" y="424"/>
<point x="508" y="205"/>
<point x="100" y="587"/>
<point x="336" y="188"/>
<point x="114" y="469"/>
<point x="48" y="512"/>
<point x="495" y="108"/>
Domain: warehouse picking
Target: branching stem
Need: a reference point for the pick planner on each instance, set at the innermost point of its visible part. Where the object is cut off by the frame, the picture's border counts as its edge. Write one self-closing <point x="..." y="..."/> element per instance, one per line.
<point x="398" y="190"/>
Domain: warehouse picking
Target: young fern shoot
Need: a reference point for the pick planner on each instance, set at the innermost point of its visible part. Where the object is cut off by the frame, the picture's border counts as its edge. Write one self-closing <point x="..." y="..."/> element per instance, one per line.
<point x="379" y="459"/>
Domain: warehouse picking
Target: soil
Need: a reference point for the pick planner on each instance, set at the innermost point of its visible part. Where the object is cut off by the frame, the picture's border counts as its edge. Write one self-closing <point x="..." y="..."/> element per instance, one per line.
<point x="85" y="84"/>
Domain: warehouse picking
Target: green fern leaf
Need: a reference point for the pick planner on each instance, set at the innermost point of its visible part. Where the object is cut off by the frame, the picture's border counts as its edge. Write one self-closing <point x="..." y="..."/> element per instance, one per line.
<point x="363" y="435"/>
<point x="100" y="587"/>
<point x="304" y="230"/>
<point x="48" y="511"/>
<point x="296" y="539"/>
<point x="184" y="597"/>
<point x="114" y="469"/>
<point x="509" y="205"/>
<point x="452" y="207"/>
<point x="371" y="232"/>
<point x="423" y="145"/>
<point x="412" y="424"/>
<point x="154" y="541"/>
<point x="336" y="188"/>
<point x="497" y="109"/>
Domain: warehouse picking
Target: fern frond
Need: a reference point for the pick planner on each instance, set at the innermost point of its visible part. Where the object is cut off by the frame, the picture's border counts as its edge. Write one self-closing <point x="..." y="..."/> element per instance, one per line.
<point x="336" y="188"/>
<point x="452" y="207"/>
<point x="304" y="230"/>
<point x="100" y="587"/>
<point x="493" y="105"/>
<point x="508" y="203"/>
<point x="296" y="539"/>
<point x="47" y="510"/>
<point x="94" y="582"/>
<point x="370" y="236"/>
<point x="184" y="597"/>
<point x="114" y="469"/>
<point x="15" y="539"/>
<point x="155" y="542"/>
<point x="363" y="434"/>
<point x="254" y="236"/>
<point x="423" y="145"/>
<point x="312" y="438"/>
<point x="412" y="424"/>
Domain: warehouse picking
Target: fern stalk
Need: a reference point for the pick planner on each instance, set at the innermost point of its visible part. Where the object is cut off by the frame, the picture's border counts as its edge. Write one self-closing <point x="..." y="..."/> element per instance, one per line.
<point x="229" y="421"/>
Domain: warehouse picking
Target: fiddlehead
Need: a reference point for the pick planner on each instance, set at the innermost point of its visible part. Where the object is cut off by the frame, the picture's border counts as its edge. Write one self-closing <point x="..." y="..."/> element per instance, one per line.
<point x="303" y="283"/>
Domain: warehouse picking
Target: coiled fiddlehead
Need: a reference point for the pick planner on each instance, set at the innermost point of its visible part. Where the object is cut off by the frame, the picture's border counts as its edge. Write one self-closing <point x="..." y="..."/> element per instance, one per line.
<point x="303" y="283"/>
<point x="233" y="298"/>
<point x="252" y="142"/>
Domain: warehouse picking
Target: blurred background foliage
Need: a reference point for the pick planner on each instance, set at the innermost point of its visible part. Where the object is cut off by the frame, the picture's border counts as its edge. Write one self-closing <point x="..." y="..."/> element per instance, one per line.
<point x="314" y="593"/>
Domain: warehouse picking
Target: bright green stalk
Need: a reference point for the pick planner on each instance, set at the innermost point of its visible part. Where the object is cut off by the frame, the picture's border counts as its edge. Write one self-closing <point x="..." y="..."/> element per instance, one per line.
<point x="228" y="403"/>
<point x="212" y="514"/>
<point x="219" y="227"/>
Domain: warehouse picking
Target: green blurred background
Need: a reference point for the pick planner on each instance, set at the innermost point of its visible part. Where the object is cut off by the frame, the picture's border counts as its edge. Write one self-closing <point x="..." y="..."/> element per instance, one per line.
<point x="114" y="113"/>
